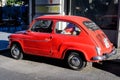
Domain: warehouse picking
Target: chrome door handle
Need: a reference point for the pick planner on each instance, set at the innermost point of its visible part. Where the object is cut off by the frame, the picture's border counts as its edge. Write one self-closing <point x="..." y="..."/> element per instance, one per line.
<point x="48" y="39"/>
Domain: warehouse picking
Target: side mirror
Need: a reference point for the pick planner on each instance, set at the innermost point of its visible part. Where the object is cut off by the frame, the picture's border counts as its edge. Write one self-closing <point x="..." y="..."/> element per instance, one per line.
<point x="27" y="32"/>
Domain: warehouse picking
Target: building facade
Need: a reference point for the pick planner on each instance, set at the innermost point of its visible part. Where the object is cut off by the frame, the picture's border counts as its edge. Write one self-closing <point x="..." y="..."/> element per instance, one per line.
<point x="104" y="12"/>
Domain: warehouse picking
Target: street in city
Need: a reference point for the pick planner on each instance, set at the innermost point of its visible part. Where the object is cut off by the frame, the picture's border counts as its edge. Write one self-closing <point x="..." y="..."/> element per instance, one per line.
<point x="40" y="68"/>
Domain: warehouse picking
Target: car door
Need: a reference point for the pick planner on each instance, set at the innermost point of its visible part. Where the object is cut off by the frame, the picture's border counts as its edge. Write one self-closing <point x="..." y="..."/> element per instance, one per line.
<point x="39" y="38"/>
<point x="65" y="32"/>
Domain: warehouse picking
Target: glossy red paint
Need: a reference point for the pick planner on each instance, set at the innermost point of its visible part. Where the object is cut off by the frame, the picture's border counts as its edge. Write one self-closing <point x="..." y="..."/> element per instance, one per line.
<point x="93" y="44"/>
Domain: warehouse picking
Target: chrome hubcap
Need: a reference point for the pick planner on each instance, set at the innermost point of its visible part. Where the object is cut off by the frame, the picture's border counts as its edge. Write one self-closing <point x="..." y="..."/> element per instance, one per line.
<point x="75" y="61"/>
<point x="15" y="52"/>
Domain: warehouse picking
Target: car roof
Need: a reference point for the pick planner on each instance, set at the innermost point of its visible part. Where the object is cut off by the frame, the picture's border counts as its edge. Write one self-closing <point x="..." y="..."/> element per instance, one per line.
<point x="64" y="17"/>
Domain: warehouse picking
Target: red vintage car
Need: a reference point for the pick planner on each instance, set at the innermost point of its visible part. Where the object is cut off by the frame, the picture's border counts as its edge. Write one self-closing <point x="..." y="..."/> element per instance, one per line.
<point x="78" y="40"/>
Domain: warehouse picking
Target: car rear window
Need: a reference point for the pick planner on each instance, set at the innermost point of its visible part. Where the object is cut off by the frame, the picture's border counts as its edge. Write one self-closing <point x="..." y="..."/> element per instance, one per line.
<point x="91" y="25"/>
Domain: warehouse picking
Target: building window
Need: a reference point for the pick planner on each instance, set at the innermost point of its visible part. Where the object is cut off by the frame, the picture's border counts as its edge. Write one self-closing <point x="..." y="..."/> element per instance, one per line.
<point x="103" y="12"/>
<point x="43" y="7"/>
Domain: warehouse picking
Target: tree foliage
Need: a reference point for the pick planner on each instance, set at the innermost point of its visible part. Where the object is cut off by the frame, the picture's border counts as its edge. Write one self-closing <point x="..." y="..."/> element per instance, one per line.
<point x="13" y="2"/>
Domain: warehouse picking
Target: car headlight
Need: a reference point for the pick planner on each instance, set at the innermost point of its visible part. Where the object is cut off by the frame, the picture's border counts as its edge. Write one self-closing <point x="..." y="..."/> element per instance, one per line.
<point x="98" y="50"/>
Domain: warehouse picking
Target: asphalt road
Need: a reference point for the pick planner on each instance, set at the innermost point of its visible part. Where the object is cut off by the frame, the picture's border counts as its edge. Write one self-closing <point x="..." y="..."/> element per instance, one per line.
<point x="40" y="68"/>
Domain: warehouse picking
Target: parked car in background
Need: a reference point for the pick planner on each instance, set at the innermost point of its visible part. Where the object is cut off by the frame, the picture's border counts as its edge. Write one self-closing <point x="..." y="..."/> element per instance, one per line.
<point x="77" y="40"/>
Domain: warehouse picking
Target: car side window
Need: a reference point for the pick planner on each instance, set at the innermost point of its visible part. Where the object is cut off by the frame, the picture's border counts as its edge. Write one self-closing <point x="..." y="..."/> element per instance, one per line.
<point x="42" y="26"/>
<point x="66" y="28"/>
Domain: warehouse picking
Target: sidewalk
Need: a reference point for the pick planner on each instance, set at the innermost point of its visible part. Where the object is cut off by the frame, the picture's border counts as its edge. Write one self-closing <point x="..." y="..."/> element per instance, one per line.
<point x="4" y="40"/>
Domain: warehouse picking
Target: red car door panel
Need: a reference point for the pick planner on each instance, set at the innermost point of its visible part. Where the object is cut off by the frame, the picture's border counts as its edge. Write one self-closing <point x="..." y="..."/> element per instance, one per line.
<point x="38" y="43"/>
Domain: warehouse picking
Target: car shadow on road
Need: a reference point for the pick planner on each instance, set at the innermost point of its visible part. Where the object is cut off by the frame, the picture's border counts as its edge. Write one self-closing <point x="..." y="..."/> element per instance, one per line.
<point x="39" y="59"/>
<point x="46" y="60"/>
<point x="112" y="66"/>
<point x="5" y="52"/>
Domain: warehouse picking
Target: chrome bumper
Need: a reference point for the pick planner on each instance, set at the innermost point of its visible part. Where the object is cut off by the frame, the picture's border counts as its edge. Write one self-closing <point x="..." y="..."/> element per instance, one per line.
<point x="105" y="56"/>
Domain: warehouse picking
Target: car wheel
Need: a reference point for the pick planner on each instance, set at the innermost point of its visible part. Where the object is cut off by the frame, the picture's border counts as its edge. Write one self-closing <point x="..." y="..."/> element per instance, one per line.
<point x="16" y="51"/>
<point x="75" y="61"/>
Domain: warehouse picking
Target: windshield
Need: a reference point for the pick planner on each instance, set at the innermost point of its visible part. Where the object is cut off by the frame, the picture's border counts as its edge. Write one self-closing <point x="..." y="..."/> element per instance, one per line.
<point x="91" y="25"/>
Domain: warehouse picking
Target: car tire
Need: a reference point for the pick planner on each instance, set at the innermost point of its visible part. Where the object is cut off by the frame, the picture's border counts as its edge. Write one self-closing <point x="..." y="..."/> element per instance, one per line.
<point x="16" y="51"/>
<point x="76" y="61"/>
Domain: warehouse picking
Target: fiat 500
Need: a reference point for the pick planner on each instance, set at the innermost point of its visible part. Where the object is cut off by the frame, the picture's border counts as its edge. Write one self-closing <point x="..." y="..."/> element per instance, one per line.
<point x="77" y="40"/>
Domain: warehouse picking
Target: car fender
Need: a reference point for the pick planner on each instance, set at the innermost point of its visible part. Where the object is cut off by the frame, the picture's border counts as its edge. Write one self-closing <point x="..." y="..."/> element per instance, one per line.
<point x="17" y="40"/>
<point x="79" y="47"/>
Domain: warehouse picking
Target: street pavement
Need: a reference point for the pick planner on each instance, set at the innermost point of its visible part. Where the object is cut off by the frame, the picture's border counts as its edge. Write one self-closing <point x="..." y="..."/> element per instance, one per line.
<point x="41" y="68"/>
